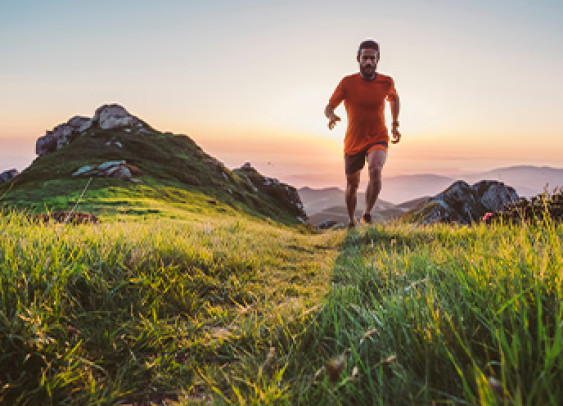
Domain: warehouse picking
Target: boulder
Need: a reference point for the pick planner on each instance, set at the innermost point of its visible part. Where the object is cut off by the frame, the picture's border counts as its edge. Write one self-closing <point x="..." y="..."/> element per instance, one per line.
<point x="112" y="116"/>
<point x="59" y="136"/>
<point x="464" y="204"/>
<point x="8" y="175"/>
<point x="85" y="170"/>
<point x="114" y="169"/>
<point x="282" y="193"/>
<point x="106" y="117"/>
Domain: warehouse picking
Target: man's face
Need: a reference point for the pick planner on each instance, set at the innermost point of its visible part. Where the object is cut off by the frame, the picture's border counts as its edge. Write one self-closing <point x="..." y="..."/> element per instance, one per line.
<point x="368" y="62"/>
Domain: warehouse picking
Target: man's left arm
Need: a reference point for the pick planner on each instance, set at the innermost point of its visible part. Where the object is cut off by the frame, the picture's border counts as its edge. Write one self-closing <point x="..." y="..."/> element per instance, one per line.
<point x="395" y="107"/>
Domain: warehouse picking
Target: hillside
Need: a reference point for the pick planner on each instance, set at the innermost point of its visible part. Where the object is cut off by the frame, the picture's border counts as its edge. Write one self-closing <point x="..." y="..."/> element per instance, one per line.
<point x="166" y="174"/>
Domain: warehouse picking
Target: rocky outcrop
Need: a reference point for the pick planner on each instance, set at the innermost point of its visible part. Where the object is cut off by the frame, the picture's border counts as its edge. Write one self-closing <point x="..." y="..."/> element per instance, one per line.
<point x="8" y="175"/>
<point x="106" y="117"/>
<point x="541" y="208"/>
<point x="113" y="169"/>
<point x="285" y="195"/>
<point x="464" y="204"/>
<point x="112" y="116"/>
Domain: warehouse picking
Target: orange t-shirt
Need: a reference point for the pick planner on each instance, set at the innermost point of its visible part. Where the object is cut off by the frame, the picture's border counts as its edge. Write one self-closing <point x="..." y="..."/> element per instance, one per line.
<point x="365" y="103"/>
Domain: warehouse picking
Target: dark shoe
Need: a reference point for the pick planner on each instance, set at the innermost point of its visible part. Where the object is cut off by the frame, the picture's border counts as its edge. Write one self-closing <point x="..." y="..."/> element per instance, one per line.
<point x="351" y="225"/>
<point x="367" y="218"/>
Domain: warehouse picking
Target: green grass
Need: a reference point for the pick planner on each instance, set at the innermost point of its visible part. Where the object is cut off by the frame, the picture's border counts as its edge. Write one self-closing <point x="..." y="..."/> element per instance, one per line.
<point x="222" y="308"/>
<point x="175" y="174"/>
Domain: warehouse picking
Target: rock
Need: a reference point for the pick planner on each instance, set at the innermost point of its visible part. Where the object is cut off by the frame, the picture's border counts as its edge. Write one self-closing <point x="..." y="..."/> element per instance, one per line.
<point x="107" y="165"/>
<point x="114" y="169"/>
<point x="284" y="195"/>
<point x="80" y="123"/>
<point x="113" y="142"/>
<point x="119" y="172"/>
<point x="106" y="117"/>
<point x="464" y="204"/>
<point x="325" y="225"/>
<point x="112" y="116"/>
<point x="494" y="195"/>
<point x="8" y="175"/>
<point x="84" y="170"/>
<point x="59" y="136"/>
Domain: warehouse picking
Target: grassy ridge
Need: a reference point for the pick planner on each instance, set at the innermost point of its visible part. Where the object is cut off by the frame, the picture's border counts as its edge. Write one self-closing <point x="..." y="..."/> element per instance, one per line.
<point x="243" y="311"/>
<point x="175" y="173"/>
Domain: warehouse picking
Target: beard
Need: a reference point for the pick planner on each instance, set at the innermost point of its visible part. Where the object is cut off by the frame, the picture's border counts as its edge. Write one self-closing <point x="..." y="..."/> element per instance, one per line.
<point x="368" y="72"/>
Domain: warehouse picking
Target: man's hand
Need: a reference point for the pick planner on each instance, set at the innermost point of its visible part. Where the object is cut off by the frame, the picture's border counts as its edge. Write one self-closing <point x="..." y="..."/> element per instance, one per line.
<point x="332" y="121"/>
<point x="332" y="118"/>
<point x="396" y="134"/>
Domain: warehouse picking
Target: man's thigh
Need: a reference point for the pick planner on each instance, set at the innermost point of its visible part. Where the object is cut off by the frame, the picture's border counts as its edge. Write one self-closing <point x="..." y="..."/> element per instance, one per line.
<point x="376" y="159"/>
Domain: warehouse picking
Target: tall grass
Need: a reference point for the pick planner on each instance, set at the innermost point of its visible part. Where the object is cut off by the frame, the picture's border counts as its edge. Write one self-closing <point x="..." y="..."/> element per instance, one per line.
<point x="225" y="310"/>
<point x="134" y="311"/>
<point x="440" y="315"/>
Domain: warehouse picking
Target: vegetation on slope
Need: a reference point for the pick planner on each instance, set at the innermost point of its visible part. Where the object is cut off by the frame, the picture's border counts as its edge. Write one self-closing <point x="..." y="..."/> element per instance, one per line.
<point x="175" y="173"/>
<point x="243" y="311"/>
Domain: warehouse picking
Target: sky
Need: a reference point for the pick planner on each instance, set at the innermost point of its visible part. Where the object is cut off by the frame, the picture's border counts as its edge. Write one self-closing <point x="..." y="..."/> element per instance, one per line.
<point x="479" y="81"/>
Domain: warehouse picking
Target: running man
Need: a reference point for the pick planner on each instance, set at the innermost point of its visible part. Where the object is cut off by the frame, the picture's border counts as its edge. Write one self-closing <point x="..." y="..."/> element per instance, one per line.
<point x="366" y="138"/>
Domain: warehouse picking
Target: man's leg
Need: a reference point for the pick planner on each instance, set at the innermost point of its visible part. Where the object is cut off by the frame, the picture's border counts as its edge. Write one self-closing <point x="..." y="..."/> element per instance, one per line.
<point x="376" y="160"/>
<point x="352" y="183"/>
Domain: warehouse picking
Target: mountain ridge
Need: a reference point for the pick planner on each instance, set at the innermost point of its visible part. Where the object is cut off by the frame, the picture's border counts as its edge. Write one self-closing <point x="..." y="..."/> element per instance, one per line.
<point x="172" y="172"/>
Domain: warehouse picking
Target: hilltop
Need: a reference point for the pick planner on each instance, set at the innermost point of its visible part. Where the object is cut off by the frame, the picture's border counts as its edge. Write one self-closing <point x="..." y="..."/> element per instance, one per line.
<point x="129" y="168"/>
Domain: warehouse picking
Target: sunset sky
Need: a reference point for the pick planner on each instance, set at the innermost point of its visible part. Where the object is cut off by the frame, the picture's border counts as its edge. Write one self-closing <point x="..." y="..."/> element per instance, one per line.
<point x="480" y="81"/>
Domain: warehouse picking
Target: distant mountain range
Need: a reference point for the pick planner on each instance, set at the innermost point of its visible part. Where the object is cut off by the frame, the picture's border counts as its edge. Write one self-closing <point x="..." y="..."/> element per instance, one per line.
<point x="526" y="180"/>
<point x="402" y="193"/>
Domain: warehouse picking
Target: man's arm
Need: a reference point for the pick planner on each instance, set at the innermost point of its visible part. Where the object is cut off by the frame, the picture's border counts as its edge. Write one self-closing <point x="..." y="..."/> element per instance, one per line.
<point x="332" y="118"/>
<point x="395" y="107"/>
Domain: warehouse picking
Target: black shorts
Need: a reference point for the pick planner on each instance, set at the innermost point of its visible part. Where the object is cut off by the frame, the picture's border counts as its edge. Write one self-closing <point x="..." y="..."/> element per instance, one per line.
<point x="354" y="163"/>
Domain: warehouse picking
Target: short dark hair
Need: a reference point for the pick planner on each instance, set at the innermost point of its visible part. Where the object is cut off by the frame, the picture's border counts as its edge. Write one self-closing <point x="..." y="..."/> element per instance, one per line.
<point x="369" y="43"/>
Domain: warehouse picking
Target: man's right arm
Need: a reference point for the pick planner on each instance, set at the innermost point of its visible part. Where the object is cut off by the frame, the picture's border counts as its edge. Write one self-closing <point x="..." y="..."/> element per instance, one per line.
<point x="332" y="118"/>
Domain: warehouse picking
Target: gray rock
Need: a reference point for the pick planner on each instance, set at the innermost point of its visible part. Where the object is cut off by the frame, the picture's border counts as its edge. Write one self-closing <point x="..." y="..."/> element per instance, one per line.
<point x="115" y="169"/>
<point x="106" y="165"/>
<point x="121" y="172"/>
<point x="112" y="116"/>
<point x="494" y="195"/>
<point x="8" y="175"/>
<point x="464" y="204"/>
<point x="285" y="195"/>
<point x="59" y="136"/>
<point x="107" y="117"/>
<point x="84" y="171"/>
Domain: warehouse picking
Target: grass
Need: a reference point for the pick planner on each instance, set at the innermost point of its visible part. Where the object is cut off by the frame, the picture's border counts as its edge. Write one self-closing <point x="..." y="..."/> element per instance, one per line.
<point x="175" y="174"/>
<point x="216" y="308"/>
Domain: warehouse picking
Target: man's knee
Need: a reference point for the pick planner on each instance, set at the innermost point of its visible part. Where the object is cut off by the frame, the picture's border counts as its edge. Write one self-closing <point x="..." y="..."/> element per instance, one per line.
<point x="375" y="173"/>
<point x="352" y="182"/>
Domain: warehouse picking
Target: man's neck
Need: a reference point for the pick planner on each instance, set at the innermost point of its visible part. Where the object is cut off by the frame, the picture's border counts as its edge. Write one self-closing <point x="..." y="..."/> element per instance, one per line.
<point x="369" y="78"/>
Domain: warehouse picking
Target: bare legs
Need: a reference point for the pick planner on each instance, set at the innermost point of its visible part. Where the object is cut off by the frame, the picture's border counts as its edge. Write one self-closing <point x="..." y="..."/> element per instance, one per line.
<point x="376" y="160"/>
<point x="352" y="183"/>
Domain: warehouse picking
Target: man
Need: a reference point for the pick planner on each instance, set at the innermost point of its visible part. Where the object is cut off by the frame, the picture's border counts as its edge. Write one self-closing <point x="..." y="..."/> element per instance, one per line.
<point x="366" y="138"/>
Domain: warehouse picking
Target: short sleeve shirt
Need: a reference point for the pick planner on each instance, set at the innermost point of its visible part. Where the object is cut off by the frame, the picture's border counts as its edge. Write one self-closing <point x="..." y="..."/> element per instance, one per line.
<point x="365" y="106"/>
